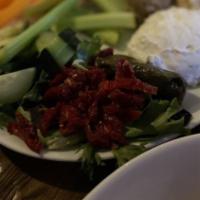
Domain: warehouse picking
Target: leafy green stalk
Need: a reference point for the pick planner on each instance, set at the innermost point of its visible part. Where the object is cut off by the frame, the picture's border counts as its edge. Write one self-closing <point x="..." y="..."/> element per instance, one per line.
<point x="58" y="142"/>
<point x="22" y="40"/>
<point x="156" y="120"/>
<point x="90" y="160"/>
<point x="171" y="110"/>
<point x="133" y="132"/>
<point x="124" y="20"/>
<point x="152" y="112"/>
<point x="174" y="126"/>
<point x="25" y="113"/>
<point x="126" y="153"/>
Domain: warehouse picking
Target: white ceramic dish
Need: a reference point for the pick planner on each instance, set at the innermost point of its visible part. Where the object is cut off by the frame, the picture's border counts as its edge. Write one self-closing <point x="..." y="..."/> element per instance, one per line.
<point x="168" y="172"/>
<point x="191" y="102"/>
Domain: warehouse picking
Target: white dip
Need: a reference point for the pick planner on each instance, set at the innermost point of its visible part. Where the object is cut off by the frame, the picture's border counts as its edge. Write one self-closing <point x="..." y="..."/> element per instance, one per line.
<point x="170" y="40"/>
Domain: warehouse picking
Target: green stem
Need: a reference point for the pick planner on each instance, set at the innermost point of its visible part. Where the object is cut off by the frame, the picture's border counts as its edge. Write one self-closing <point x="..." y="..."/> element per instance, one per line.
<point x="104" y="21"/>
<point x="21" y="41"/>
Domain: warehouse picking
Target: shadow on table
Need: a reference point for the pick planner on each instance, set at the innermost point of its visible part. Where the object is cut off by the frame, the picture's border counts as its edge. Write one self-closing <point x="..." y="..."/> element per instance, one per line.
<point x="65" y="175"/>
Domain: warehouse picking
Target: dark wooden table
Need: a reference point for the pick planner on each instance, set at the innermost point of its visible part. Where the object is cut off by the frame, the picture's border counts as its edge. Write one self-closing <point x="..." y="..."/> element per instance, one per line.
<point x="24" y="178"/>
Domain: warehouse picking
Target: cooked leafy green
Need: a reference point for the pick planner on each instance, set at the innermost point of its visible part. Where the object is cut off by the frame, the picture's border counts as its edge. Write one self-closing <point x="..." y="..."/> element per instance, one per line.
<point x="171" y="110"/>
<point x="157" y="120"/>
<point x="90" y="160"/>
<point x="58" y="142"/>
<point x="34" y="96"/>
<point x="154" y="109"/>
<point x="126" y="153"/>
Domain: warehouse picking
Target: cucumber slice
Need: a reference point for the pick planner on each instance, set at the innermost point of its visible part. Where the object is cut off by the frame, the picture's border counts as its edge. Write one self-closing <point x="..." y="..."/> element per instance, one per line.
<point x="14" y="85"/>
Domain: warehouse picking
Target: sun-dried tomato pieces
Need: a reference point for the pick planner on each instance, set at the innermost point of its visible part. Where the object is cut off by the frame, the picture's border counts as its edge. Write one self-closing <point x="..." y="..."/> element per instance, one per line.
<point x="26" y="131"/>
<point x="58" y="79"/>
<point x="107" y="133"/>
<point x="91" y="103"/>
<point x="70" y="120"/>
<point x="48" y="120"/>
<point x="124" y="70"/>
<point x="96" y="76"/>
<point x="53" y="94"/>
<point x="126" y="99"/>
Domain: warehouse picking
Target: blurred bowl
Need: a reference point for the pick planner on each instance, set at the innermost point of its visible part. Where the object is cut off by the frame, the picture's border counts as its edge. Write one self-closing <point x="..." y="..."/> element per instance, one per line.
<point x="168" y="172"/>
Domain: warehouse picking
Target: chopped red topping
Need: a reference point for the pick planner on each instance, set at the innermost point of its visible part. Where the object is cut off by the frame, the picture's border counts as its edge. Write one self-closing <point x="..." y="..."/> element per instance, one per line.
<point x="70" y="120"/>
<point x="87" y="101"/>
<point x="47" y="121"/>
<point x="26" y="131"/>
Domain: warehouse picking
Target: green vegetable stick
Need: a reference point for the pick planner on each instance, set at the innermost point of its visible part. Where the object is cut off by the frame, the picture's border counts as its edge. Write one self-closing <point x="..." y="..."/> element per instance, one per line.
<point x="21" y="41"/>
<point x="105" y="20"/>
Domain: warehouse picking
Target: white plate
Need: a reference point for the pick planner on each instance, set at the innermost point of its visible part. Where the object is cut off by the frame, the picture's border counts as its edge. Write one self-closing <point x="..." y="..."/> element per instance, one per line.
<point x="191" y="102"/>
<point x="16" y="144"/>
<point x="168" y="172"/>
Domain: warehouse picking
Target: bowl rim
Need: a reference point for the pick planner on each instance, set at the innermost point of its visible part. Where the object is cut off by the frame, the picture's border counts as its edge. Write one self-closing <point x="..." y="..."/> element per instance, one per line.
<point x="120" y="172"/>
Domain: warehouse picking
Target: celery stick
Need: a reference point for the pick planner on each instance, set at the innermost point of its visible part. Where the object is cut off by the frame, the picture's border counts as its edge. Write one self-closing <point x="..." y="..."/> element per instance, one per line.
<point x="104" y="21"/>
<point x="111" y="5"/>
<point x="21" y="41"/>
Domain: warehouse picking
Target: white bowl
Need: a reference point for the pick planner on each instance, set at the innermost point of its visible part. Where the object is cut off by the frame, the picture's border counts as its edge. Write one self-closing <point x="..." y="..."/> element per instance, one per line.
<point x="167" y="172"/>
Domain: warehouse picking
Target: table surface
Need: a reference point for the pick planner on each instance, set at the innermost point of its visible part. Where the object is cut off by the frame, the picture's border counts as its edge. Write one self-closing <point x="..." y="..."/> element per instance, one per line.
<point x="25" y="178"/>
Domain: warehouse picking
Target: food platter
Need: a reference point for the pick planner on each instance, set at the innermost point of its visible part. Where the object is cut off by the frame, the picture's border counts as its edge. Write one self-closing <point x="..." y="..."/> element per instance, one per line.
<point x="92" y="98"/>
<point x="191" y="103"/>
